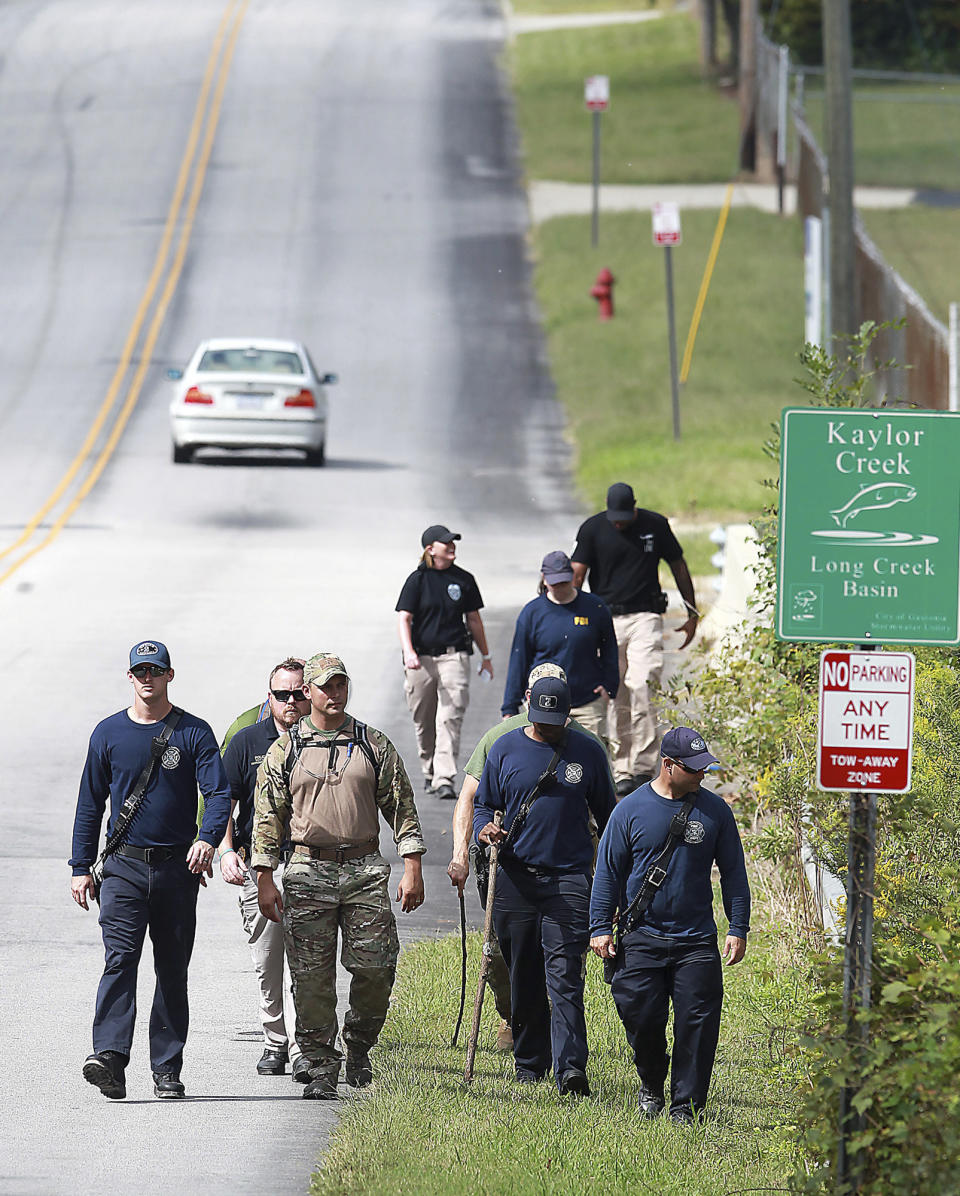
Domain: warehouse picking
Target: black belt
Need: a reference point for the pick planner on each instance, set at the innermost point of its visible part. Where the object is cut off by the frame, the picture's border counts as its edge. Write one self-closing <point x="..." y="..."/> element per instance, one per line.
<point x="152" y="855"/>
<point x="625" y="608"/>
<point x="442" y="651"/>
<point x="538" y="871"/>
<point x="337" y="854"/>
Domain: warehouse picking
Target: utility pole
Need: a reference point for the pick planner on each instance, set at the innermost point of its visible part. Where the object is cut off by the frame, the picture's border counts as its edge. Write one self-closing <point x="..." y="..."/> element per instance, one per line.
<point x="837" y="61"/>
<point x="708" y="33"/>
<point x="748" y="84"/>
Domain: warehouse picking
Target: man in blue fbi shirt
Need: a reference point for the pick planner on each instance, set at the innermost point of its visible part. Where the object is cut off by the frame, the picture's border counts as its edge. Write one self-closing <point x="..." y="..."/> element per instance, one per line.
<point x="672" y="955"/>
<point x="543" y="883"/>
<point x="152" y="879"/>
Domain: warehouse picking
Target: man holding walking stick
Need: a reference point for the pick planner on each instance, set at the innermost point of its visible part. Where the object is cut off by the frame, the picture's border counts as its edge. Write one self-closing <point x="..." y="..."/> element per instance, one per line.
<point x="546" y="778"/>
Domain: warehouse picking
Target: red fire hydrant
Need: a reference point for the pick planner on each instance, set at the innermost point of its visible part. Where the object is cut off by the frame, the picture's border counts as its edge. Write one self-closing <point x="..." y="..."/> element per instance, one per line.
<point x="602" y="291"/>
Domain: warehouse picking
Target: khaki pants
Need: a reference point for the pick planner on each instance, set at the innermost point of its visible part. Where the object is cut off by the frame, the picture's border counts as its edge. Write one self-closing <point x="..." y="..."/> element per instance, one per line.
<point x="437" y="695"/>
<point x="593" y="716"/>
<point x="277" y="1015"/>
<point x="632" y="723"/>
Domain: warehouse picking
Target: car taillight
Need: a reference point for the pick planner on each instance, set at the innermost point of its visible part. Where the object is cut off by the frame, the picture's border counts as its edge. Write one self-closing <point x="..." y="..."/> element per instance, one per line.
<point x="195" y="395"/>
<point x="303" y="399"/>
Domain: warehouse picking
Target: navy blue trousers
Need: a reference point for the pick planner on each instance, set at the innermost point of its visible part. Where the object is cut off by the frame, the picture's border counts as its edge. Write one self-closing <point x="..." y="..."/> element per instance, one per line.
<point x="136" y="897"/>
<point x="542" y="926"/>
<point x="656" y="971"/>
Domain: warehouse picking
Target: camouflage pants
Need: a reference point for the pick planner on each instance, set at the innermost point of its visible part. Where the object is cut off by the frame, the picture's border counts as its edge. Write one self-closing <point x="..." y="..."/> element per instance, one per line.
<point x="323" y="898"/>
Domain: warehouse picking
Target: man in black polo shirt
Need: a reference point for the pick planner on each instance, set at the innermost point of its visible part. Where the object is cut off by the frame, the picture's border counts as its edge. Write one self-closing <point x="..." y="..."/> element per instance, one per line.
<point x="621" y="550"/>
<point x="241" y="759"/>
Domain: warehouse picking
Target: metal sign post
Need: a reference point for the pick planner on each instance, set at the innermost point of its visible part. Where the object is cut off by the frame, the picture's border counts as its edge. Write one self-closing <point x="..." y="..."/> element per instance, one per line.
<point x="666" y="233"/>
<point x="596" y="93"/>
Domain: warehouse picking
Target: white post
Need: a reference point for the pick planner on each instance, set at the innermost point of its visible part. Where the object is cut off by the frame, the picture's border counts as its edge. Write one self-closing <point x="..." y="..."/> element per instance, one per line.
<point x="954" y="353"/>
<point x="813" y="281"/>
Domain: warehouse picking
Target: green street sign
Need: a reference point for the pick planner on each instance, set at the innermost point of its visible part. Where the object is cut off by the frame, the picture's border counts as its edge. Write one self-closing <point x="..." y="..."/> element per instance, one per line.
<point x="869" y="526"/>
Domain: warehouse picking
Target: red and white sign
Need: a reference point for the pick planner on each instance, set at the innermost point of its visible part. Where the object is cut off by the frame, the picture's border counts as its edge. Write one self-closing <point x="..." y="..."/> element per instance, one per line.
<point x="865" y="738"/>
<point x="666" y="224"/>
<point x="596" y="92"/>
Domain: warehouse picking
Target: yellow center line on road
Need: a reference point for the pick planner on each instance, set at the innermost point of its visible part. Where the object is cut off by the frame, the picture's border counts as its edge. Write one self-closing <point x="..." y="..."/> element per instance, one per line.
<point x="231" y="20"/>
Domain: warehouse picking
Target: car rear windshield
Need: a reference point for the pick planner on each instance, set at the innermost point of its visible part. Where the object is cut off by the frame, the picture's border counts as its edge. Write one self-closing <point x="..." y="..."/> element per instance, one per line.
<point x="250" y="361"/>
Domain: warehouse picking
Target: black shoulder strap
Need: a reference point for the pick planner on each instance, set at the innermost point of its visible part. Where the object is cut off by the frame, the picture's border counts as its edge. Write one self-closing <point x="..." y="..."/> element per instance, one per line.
<point x="657" y="872"/>
<point x="293" y="753"/>
<point x="158" y="745"/>
<point x="548" y="774"/>
<point x="362" y="739"/>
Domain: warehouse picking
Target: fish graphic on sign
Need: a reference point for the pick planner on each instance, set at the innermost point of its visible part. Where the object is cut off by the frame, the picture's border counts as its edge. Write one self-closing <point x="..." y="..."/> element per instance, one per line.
<point x="873" y="498"/>
<point x="881" y="496"/>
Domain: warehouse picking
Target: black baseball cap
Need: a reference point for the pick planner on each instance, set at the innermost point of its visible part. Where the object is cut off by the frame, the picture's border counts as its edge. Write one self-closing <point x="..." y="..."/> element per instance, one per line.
<point x="620" y="502"/>
<point x="556" y="567"/>
<point x="687" y="746"/>
<point x="150" y="652"/>
<point x="435" y="532"/>
<point x="549" y="701"/>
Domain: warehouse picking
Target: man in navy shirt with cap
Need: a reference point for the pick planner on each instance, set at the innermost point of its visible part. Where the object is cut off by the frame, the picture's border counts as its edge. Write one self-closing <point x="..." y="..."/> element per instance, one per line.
<point x="543" y="883"/>
<point x="151" y="880"/>
<point x="672" y="955"/>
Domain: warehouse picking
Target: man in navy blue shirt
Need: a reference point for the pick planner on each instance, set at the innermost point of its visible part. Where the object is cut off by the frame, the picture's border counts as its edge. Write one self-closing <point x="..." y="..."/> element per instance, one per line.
<point x="286" y="704"/>
<point x="152" y="878"/>
<point x="672" y="955"/>
<point x="543" y="883"/>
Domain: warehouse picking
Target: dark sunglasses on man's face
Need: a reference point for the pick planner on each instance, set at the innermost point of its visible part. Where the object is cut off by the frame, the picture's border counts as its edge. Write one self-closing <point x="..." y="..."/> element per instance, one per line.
<point x="692" y="771"/>
<point x="141" y="670"/>
<point x="289" y="695"/>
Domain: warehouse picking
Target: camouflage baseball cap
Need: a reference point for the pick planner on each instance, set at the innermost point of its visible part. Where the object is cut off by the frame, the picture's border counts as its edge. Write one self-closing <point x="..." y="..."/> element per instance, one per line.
<point x="547" y="669"/>
<point x="320" y="668"/>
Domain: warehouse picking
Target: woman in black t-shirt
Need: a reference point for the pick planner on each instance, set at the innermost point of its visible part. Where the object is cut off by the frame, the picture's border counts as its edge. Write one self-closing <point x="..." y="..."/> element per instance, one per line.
<point x="439" y="622"/>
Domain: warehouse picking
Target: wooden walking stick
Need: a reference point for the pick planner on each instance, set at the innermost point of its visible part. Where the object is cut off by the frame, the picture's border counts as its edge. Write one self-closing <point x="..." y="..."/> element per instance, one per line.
<point x="463" y="969"/>
<point x="485" y="957"/>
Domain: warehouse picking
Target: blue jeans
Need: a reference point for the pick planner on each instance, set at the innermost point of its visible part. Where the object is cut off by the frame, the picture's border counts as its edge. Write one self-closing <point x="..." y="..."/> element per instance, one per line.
<point x="136" y="897"/>
<point x="656" y="971"/>
<point x="542" y="926"/>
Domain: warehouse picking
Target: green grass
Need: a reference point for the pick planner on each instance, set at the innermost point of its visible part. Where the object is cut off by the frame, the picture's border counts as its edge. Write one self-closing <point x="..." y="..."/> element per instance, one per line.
<point x="665" y="122"/>
<point x="899" y="142"/>
<point x="422" y="1130"/>
<point x="922" y="245"/>
<point x="614" y="378"/>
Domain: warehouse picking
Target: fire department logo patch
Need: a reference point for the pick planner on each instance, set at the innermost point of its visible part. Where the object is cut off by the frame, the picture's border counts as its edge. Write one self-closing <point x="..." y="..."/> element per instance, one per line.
<point x="453" y="589"/>
<point x="694" y="833"/>
<point x="573" y="774"/>
<point x="170" y="758"/>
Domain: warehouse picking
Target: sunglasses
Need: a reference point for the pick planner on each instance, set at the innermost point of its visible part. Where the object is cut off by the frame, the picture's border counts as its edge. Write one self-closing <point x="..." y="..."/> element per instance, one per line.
<point x="692" y="771"/>
<point x="142" y="670"/>
<point x="289" y="695"/>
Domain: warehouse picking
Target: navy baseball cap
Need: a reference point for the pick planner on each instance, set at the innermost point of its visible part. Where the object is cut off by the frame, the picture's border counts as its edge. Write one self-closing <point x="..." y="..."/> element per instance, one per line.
<point x="549" y="701"/>
<point x="556" y="567"/>
<point x="620" y="502"/>
<point x="150" y="652"/>
<point x="435" y="532"/>
<point x="688" y="747"/>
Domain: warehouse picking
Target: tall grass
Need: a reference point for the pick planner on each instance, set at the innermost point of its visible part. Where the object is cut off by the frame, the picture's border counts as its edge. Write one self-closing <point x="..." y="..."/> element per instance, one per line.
<point x="421" y="1130"/>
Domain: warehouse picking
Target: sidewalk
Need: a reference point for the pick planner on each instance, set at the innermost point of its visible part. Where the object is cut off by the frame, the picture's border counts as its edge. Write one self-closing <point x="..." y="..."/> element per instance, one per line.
<point x="549" y="199"/>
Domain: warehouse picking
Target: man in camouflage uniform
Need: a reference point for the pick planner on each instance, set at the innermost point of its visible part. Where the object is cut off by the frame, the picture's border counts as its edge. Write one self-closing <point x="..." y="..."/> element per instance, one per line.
<point x="321" y="785"/>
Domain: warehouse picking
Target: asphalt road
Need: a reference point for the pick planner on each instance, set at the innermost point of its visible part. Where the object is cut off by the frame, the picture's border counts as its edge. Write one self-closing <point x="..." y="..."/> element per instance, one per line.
<point x="363" y="193"/>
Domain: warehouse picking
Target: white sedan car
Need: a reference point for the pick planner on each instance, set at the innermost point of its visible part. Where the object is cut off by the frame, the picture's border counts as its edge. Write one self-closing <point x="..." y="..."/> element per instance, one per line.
<point x="246" y="393"/>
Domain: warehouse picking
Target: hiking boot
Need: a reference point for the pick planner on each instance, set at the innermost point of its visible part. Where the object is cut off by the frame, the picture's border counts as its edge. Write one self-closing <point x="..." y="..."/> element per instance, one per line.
<point x="649" y="1102"/>
<point x="300" y="1072"/>
<point x="528" y="1077"/>
<point x="504" y="1036"/>
<point x="445" y="791"/>
<point x="359" y="1073"/>
<point x="574" y="1083"/>
<point x="622" y="788"/>
<point x="273" y="1062"/>
<point x="167" y="1086"/>
<point x="322" y="1086"/>
<point x="104" y="1070"/>
<point x="683" y="1115"/>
